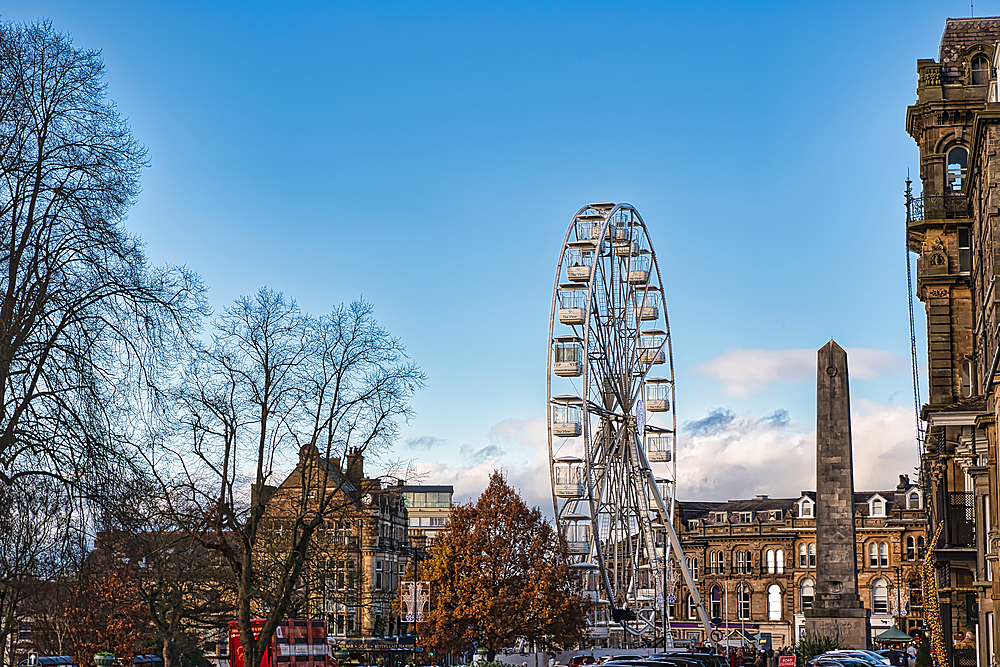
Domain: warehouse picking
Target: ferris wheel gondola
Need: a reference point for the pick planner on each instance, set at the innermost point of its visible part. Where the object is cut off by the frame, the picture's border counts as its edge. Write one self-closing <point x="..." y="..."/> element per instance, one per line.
<point x="613" y="474"/>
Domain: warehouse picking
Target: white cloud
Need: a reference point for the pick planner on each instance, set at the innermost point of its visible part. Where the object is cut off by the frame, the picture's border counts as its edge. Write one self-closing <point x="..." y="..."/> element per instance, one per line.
<point x="728" y="456"/>
<point x="721" y="456"/>
<point x="517" y="447"/>
<point x="744" y="371"/>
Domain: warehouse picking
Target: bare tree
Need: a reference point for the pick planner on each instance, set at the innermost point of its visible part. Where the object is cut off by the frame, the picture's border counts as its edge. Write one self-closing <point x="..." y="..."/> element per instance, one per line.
<point x="36" y="542"/>
<point x="85" y="323"/>
<point x="184" y="586"/>
<point x="278" y="390"/>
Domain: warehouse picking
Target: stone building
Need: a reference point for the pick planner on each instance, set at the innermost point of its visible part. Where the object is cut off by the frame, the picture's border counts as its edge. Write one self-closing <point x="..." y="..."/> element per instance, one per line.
<point x="754" y="562"/>
<point x="358" y="558"/>
<point x="950" y="223"/>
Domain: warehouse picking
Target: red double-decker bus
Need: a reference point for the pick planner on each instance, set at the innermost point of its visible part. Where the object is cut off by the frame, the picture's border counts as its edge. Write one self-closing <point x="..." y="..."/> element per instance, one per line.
<point x="295" y="643"/>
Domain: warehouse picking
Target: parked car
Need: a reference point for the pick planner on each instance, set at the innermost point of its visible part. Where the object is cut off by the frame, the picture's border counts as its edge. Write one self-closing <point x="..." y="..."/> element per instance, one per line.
<point x="860" y="653"/>
<point x="902" y="654"/>
<point x="837" y="661"/>
<point x="703" y="659"/>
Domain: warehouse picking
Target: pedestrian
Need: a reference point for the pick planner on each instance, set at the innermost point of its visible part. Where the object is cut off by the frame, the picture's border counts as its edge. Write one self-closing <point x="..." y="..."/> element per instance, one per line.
<point x="894" y="657"/>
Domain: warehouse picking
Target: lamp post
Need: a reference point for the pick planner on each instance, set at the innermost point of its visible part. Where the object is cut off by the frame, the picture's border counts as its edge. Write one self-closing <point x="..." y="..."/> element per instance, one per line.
<point x="665" y="560"/>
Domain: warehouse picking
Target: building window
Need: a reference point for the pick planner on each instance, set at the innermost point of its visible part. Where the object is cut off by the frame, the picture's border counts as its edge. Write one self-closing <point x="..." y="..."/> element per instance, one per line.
<point x="716" y="602"/>
<point x="911" y="548"/>
<point x="692" y="564"/>
<point x="806" y="509"/>
<point x="964" y="252"/>
<point x="743" y="603"/>
<point x="880" y="597"/>
<point x="378" y="575"/>
<point x="812" y="554"/>
<point x="715" y="562"/>
<point x="807" y="594"/>
<point x="965" y="374"/>
<point x="883" y="554"/>
<point x="803" y="558"/>
<point x="958" y="162"/>
<point x="692" y="609"/>
<point x="920" y="546"/>
<point x="780" y="556"/>
<point x="980" y="71"/>
<point x="774" y="603"/>
<point x="770" y="561"/>
<point x="877" y="507"/>
<point x="743" y="561"/>
<point x="720" y="517"/>
<point x="746" y="517"/>
<point x="872" y="555"/>
<point x="913" y="502"/>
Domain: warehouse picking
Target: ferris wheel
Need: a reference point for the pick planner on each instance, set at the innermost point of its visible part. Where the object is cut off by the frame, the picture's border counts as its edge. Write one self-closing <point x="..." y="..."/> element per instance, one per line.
<point x="613" y="472"/>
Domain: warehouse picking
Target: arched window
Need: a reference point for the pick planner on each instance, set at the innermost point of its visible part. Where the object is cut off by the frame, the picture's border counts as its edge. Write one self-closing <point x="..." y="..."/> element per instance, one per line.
<point x="911" y="548"/>
<point x="716" y="600"/>
<point x="781" y="560"/>
<point x="958" y="164"/>
<point x="774" y="603"/>
<point x="808" y="591"/>
<point x="883" y="554"/>
<point x="770" y="561"/>
<point x="693" y="567"/>
<point x="872" y="554"/>
<point x="692" y="608"/>
<point x="715" y="562"/>
<point x="980" y="71"/>
<point x="880" y="597"/>
<point x="743" y="603"/>
<point x="914" y="501"/>
<point x="742" y="561"/>
<point x="812" y="554"/>
<point x="920" y="546"/>
<point x="806" y="509"/>
<point x="803" y="559"/>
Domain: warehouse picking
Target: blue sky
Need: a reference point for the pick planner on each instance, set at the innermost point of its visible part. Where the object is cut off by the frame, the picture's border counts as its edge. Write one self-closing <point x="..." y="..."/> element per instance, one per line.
<point x="428" y="157"/>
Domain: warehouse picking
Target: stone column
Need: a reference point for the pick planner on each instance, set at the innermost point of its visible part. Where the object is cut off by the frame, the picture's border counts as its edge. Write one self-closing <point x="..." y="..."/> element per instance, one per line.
<point x="837" y="610"/>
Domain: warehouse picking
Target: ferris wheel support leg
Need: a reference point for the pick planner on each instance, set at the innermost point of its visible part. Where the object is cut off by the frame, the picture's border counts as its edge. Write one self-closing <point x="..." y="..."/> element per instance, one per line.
<point x="675" y="544"/>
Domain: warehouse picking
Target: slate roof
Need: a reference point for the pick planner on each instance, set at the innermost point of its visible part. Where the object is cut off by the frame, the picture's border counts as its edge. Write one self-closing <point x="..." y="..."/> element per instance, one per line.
<point x="959" y="35"/>
<point x="705" y="510"/>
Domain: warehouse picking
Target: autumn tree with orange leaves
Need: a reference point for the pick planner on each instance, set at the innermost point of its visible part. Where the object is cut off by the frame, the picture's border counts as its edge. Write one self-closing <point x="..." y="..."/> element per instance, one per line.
<point x="497" y="576"/>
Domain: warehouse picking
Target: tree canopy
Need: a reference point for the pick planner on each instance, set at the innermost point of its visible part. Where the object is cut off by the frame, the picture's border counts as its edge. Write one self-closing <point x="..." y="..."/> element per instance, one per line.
<point x="498" y="576"/>
<point x="85" y="323"/>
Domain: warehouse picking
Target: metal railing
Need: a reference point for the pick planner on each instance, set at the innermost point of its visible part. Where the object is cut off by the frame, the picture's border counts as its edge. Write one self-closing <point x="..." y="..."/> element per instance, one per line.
<point x="949" y="206"/>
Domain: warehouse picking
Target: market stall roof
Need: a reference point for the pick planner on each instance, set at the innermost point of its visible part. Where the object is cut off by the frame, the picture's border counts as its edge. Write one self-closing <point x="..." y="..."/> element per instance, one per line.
<point x="893" y="634"/>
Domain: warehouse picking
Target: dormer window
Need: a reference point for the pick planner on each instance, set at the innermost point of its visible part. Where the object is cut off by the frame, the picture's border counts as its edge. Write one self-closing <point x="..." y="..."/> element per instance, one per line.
<point x="806" y="509"/>
<point x="876" y="506"/>
<point x="980" y="71"/>
<point x="745" y="517"/>
<point x="720" y="517"/>
<point x="958" y="164"/>
<point x="913" y="500"/>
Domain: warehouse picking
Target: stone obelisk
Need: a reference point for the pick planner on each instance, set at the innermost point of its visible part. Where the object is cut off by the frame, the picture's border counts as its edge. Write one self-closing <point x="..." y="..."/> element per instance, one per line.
<point x="837" y="610"/>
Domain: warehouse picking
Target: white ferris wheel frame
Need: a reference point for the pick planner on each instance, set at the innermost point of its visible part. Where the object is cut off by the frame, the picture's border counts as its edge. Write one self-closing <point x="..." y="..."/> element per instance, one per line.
<point x="641" y="479"/>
